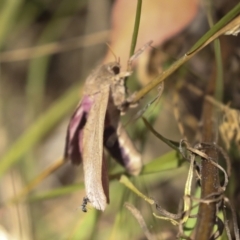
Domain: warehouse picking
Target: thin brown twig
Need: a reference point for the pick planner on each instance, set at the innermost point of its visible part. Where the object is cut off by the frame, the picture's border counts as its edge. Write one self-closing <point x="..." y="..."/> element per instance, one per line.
<point x="138" y="216"/>
<point x="209" y="172"/>
<point x="234" y="218"/>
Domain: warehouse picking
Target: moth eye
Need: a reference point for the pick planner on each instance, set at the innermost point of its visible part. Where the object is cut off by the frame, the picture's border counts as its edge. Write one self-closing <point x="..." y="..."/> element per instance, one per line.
<point x="116" y="70"/>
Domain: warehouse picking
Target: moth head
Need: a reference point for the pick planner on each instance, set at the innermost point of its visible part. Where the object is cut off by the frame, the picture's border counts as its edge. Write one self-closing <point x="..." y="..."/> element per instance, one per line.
<point x="113" y="68"/>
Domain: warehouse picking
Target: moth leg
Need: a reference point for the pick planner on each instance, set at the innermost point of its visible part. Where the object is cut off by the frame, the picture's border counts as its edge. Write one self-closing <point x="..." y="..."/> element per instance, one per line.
<point x="128" y="103"/>
<point x="144" y="109"/>
<point x="137" y="53"/>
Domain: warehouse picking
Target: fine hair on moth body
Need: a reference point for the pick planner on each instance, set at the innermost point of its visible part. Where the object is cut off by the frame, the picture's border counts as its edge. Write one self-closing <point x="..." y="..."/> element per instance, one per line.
<point x="96" y="124"/>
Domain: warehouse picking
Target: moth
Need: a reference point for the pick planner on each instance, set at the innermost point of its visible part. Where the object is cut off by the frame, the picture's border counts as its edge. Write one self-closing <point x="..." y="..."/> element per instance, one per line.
<point x="96" y="123"/>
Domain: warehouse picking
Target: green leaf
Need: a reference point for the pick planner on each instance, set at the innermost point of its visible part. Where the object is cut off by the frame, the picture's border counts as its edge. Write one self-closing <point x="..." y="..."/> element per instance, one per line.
<point x="40" y="128"/>
<point x="166" y="162"/>
<point x="170" y="143"/>
<point x="58" y="192"/>
<point x="86" y="226"/>
<point x="125" y="180"/>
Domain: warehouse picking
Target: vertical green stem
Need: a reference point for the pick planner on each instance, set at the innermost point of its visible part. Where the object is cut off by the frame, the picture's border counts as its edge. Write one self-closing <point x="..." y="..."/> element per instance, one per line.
<point x="218" y="57"/>
<point x="136" y="27"/>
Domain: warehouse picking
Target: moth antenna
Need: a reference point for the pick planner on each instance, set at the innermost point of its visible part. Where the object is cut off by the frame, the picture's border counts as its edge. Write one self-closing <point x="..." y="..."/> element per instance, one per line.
<point x="117" y="59"/>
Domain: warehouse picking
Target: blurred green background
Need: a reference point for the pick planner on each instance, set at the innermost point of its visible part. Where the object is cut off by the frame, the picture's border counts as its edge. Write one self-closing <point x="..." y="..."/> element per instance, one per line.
<point x="47" y="48"/>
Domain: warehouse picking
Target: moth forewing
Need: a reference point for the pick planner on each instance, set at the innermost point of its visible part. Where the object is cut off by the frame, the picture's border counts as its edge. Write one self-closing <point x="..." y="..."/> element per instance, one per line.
<point x="94" y="165"/>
